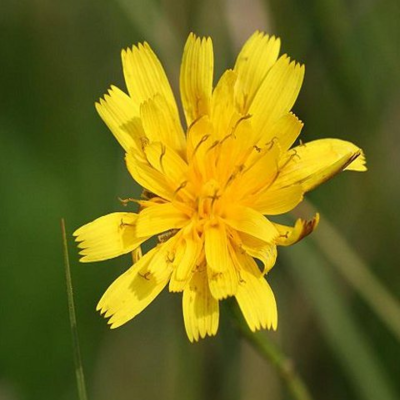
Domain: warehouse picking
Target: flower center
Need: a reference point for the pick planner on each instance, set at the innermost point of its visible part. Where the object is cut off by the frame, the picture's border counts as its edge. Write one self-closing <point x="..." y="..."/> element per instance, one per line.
<point x="208" y="200"/>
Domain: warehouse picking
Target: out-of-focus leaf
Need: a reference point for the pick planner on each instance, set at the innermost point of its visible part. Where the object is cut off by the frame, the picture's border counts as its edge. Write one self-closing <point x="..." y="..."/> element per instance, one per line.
<point x="354" y="270"/>
<point x="349" y="343"/>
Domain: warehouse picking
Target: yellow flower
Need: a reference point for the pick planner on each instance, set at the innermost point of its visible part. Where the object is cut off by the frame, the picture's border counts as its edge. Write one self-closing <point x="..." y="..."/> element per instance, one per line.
<point x="209" y="188"/>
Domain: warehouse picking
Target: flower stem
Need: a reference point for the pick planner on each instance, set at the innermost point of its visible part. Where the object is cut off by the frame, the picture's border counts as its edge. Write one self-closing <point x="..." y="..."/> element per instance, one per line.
<point x="269" y="351"/>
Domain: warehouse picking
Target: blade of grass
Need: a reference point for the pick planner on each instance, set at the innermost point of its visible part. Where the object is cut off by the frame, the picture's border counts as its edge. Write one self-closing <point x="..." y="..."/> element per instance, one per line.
<point x="80" y="378"/>
<point x="356" y="272"/>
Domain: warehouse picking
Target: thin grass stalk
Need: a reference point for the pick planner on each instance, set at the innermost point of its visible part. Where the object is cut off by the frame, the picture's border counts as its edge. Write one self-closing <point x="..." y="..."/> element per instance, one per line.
<point x="80" y="378"/>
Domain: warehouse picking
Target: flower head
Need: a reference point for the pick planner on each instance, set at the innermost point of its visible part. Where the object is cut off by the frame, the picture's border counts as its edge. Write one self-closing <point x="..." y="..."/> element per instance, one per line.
<point x="209" y="189"/>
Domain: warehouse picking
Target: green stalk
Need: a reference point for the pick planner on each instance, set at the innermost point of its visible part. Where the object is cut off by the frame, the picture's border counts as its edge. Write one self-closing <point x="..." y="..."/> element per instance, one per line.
<point x="270" y="352"/>
<point x="80" y="378"/>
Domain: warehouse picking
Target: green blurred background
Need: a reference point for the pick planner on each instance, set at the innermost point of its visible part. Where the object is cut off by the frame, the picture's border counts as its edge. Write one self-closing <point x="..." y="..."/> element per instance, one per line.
<point x="338" y="323"/>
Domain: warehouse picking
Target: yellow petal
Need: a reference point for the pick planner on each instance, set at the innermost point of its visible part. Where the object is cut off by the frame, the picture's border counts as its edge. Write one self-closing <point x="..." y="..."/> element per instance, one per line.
<point x="223" y="284"/>
<point x="200" y="309"/>
<point x="245" y="219"/>
<point x="265" y="252"/>
<point x="216" y="247"/>
<point x="109" y="236"/>
<point x="167" y="252"/>
<point x="235" y="166"/>
<point x="170" y="164"/>
<point x="196" y="77"/>
<point x="315" y="162"/>
<point x="184" y="261"/>
<point x="223" y="108"/>
<point x="198" y="137"/>
<point x="199" y="141"/>
<point x="277" y="93"/>
<point x="275" y="201"/>
<point x="290" y="235"/>
<point x="261" y="169"/>
<point x="120" y="114"/>
<point x="145" y="76"/>
<point x="160" y="218"/>
<point x="255" y="297"/>
<point x="148" y="177"/>
<point x="185" y="265"/>
<point x="133" y="291"/>
<point x="161" y="123"/>
<point x="255" y="59"/>
<point x="285" y="130"/>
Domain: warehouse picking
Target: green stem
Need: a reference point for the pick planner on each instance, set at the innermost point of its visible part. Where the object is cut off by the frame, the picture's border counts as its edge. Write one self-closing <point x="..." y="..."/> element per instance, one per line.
<point x="269" y="351"/>
<point x="80" y="378"/>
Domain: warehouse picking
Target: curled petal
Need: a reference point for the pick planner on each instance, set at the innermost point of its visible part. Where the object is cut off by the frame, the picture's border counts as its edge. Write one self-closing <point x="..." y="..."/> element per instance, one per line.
<point x="313" y="163"/>
<point x="290" y="235"/>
